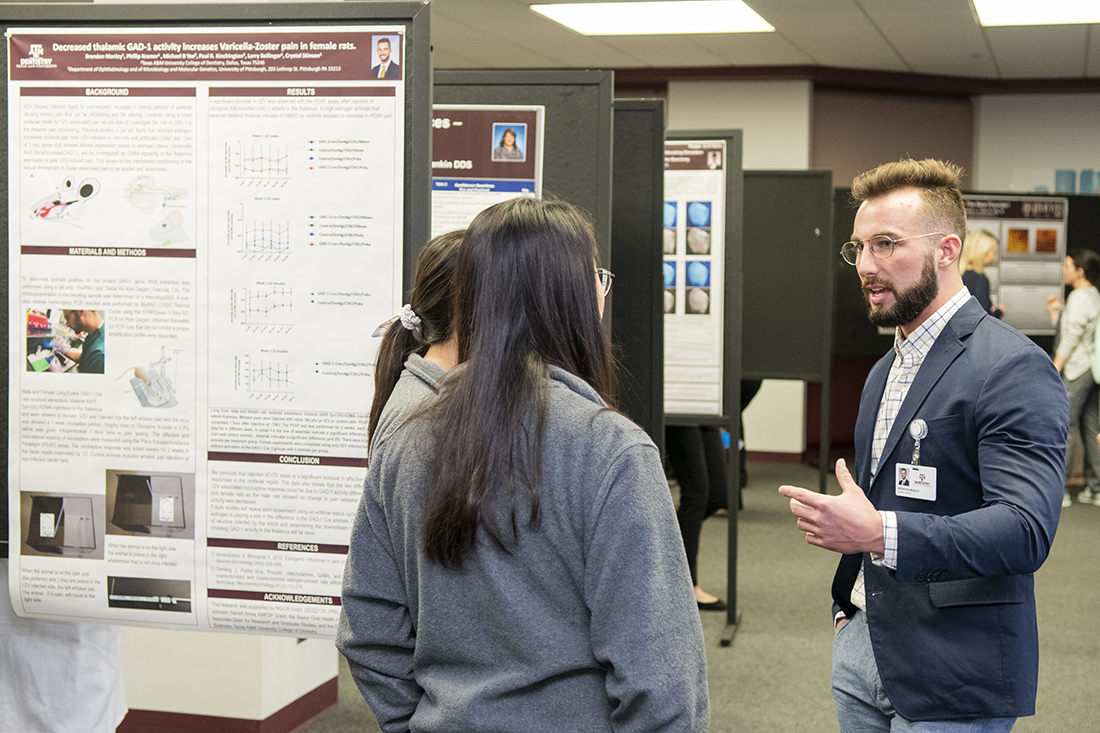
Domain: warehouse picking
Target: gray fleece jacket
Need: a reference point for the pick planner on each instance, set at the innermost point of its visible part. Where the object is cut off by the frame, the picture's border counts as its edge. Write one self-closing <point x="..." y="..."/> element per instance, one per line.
<point x="590" y="624"/>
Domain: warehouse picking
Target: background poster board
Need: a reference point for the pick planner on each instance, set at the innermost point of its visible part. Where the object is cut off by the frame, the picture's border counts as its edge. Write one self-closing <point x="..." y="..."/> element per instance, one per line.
<point x="637" y="328"/>
<point x="235" y="262"/>
<point x="693" y="274"/>
<point x="1031" y="234"/>
<point x="577" y="132"/>
<point x="473" y="168"/>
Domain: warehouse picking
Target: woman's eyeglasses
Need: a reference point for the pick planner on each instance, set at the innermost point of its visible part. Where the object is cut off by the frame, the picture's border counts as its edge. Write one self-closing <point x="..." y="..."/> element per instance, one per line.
<point x="605" y="277"/>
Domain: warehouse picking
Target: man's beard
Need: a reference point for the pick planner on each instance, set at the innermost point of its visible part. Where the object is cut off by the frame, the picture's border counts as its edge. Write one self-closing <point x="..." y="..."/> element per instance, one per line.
<point x="908" y="303"/>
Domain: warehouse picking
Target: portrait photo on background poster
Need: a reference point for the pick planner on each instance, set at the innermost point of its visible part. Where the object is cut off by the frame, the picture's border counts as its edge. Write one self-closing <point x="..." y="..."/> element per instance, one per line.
<point x="509" y="143"/>
<point x="385" y="50"/>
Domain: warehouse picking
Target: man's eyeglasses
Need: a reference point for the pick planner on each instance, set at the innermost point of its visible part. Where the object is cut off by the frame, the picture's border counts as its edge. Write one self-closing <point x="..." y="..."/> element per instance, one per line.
<point x="880" y="246"/>
<point x="605" y="277"/>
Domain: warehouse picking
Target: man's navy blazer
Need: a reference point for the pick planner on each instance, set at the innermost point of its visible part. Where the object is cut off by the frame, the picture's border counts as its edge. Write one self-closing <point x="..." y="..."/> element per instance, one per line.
<point x="953" y="628"/>
<point x="393" y="72"/>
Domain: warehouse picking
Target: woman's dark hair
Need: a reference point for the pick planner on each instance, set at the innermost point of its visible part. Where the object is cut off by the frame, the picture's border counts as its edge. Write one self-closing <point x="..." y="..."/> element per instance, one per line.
<point x="505" y="134"/>
<point x="431" y="301"/>
<point x="525" y="300"/>
<point x="1088" y="261"/>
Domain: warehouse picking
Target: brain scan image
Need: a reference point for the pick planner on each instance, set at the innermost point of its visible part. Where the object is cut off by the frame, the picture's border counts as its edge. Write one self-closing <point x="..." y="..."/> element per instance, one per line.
<point x="698" y="242"/>
<point x="670" y="242"/>
<point x="698" y="301"/>
<point x="698" y="274"/>
<point x="670" y="213"/>
<point x="698" y="214"/>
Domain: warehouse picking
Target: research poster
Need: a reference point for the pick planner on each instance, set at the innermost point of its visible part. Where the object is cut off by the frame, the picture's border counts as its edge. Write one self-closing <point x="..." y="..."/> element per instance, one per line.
<point x="1031" y="238"/>
<point x="482" y="154"/>
<point x="204" y="230"/>
<point x="694" y="284"/>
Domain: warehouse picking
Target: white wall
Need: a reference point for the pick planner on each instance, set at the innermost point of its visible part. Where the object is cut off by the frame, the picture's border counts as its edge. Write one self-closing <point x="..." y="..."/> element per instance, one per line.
<point x="775" y="118"/>
<point x="775" y="419"/>
<point x="1020" y="139"/>
<point x="225" y="675"/>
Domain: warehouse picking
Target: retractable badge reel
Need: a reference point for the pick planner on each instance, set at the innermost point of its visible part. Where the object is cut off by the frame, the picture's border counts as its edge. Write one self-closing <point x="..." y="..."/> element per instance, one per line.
<point x="918" y="429"/>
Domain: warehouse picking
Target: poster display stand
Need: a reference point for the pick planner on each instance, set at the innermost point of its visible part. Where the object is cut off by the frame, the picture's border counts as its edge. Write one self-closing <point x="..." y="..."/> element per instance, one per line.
<point x="703" y="219"/>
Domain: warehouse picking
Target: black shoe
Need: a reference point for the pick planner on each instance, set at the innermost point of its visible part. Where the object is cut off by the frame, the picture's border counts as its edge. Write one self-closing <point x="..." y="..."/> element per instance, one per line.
<point x="718" y="605"/>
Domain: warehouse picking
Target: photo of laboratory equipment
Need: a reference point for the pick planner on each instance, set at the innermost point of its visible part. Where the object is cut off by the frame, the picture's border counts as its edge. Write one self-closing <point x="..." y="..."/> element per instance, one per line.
<point x="61" y="525"/>
<point x="156" y="505"/>
<point x="149" y="594"/>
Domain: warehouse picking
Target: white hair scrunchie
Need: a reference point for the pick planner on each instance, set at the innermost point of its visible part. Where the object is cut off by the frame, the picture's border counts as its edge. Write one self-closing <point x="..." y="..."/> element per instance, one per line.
<point x="409" y="319"/>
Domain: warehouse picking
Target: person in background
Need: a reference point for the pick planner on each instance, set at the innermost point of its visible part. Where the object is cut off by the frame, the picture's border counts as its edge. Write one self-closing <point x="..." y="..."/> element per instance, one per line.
<point x="979" y="250"/>
<point x="419" y="341"/>
<point x="698" y="461"/>
<point x="1077" y="320"/>
<point x="515" y="562"/>
<point x="58" y="676"/>
<point x="934" y="595"/>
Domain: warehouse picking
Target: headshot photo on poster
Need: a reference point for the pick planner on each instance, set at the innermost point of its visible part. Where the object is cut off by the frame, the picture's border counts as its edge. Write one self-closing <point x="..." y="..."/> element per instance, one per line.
<point x="385" y="57"/>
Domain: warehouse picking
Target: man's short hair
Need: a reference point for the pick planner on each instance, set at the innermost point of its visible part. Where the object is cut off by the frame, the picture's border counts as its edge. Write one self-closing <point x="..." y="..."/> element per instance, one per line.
<point x="385" y="41"/>
<point x="938" y="182"/>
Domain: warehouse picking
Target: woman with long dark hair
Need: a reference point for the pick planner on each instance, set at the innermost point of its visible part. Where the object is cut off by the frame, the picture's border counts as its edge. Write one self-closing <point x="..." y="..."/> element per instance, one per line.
<point x="515" y="563"/>
<point x="419" y="340"/>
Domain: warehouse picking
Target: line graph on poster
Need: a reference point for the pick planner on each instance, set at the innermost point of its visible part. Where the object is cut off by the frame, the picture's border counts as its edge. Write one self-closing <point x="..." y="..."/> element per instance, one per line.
<point x="264" y="378"/>
<point x="257" y="236"/>
<point x="264" y="159"/>
<point x="263" y="307"/>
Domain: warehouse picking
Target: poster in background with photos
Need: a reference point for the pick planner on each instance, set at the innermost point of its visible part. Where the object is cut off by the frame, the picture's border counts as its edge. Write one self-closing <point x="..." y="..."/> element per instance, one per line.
<point x="189" y="230"/>
<point x="694" y="285"/>
<point x="481" y="155"/>
<point x="1031" y="245"/>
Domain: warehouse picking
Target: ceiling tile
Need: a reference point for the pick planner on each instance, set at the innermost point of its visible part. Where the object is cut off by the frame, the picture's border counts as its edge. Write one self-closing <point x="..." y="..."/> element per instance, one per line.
<point x="665" y="50"/>
<point x="1039" y="51"/>
<point x="922" y="36"/>
<point x="754" y="49"/>
<point x="1092" y="61"/>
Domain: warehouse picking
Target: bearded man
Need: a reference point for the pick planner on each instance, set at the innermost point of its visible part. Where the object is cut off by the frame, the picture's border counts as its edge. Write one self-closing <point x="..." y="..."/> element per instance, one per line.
<point x="934" y="603"/>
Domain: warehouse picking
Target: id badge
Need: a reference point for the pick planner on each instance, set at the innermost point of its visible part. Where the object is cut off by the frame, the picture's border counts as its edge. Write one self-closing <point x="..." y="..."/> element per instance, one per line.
<point x="915" y="482"/>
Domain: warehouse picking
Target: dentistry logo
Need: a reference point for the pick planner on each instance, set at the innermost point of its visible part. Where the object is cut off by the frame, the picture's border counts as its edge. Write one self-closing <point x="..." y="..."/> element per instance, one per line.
<point x="36" y="60"/>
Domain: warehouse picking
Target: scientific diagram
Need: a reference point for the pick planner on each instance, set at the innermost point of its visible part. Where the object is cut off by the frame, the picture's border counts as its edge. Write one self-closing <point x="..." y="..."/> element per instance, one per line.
<point x="143" y="194"/>
<point x="256" y="238"/>
<point x="66" y="203"/>
<point x="152" y="385"/>
<point x="266" y="307"/>
<point x="256" y="164"/>
<point x="264" y="378"/>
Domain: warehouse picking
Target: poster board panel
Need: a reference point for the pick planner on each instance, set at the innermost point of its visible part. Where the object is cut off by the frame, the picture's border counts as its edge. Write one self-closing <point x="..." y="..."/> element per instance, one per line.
<point x="636" y="239"/>
<point x="577" y="130"/>
<point x="205" y="236"/>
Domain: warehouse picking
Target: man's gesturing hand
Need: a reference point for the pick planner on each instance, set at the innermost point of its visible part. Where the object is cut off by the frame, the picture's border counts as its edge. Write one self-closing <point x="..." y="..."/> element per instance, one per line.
<point x="848" y="523"/>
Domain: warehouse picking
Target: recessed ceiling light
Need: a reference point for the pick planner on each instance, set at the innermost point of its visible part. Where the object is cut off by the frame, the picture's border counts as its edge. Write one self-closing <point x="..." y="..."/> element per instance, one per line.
<point x="1037" y="12"/>
<point x="656" y="18"/>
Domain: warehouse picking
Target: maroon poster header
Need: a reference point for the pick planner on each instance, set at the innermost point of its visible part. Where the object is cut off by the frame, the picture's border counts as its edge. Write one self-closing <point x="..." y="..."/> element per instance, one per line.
<point x="694" y="156"/>
<point x="143" y="55"/>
